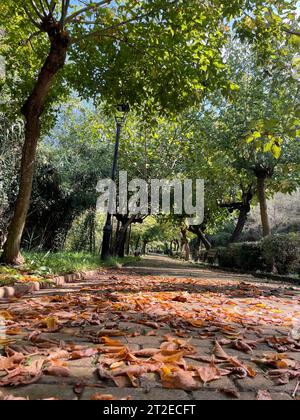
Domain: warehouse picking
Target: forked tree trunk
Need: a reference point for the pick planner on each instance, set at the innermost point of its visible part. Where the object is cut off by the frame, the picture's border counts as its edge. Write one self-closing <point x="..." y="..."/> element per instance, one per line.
<point x="261" y="188"/>
<point x="32" y="111"/>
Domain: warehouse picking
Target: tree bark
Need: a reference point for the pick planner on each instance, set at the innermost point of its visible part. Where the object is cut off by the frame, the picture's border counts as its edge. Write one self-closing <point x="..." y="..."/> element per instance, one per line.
<point x="121" y="242"/>
<point x="32" y="111"/>
<point x="197" y="230"/>
<point x="244" y="207"/>
<point x="261" y="188"/>
<point x="243" y="216"/>
<point x="186" y="245"/>
<point x="204" y="240"/>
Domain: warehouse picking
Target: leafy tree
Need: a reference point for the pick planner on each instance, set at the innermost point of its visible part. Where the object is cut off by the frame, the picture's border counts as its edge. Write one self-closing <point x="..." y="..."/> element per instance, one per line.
<point x="71" y="160"/>
<point x="257" y="131"/>
<point x="165" y="53"/>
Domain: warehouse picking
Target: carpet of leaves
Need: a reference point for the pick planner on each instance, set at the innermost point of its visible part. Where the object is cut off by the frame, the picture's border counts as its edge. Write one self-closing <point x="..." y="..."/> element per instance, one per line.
<point x="105" y="316"/>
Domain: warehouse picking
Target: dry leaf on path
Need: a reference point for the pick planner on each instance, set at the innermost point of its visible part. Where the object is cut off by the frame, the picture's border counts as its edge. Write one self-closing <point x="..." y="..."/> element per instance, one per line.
<point x="59" y="371"/>
<point x="264" y="396"/>
<point x="180" y="380"/>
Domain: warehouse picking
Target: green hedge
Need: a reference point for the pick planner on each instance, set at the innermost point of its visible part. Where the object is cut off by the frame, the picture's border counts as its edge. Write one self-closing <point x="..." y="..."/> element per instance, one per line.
<point x="281" y="251"/>
<point x="245" y="256"/>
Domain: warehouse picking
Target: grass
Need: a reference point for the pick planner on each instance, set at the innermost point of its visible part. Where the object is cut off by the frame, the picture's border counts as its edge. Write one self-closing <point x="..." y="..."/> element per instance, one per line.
<point x="39" y="265"/>
<point x="68" y="262"/>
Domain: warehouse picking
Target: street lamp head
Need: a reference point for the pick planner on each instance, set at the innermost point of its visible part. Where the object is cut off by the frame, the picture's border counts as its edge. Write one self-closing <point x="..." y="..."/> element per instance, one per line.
<point x="122" y="110"/>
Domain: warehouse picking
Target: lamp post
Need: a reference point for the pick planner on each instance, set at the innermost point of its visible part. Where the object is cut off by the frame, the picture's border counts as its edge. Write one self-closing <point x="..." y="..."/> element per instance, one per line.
<point x="122" y="110"/>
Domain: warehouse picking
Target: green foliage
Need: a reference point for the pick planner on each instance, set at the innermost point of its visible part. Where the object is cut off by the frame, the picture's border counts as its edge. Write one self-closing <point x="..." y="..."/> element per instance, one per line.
<point x="86" y="232"/>
<point x="284" y="250"/>
<point x="281" y="251"/>
<point x="243" y="256"/>
<point x="60" y="263"/>
<point x="11" y="137"/>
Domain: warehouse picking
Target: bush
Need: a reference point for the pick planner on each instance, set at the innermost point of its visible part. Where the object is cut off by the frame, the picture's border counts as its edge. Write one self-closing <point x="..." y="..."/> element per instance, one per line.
<point x="244" y="256"/>
<point x="221" y="239"/>
<point x="283" y="251"/>
<point x="229" y="257"/>
<point x="251" y="256"/>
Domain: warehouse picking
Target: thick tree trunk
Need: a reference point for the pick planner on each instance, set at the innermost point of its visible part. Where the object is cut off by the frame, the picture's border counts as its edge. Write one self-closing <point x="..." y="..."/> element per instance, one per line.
<point x="32" y="111"/>
<point x="240" y="225"/>
<point x="261" y="188"/>
<point x="121" y="243"/>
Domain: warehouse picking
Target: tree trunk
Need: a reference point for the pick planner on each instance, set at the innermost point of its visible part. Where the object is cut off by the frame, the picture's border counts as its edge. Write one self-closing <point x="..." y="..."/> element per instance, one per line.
<point x="186" y="245"/>
<point x="144" y="247"/>
<point x="32" y="111"/>
<point x="261" y="188"/>
<point x="121" y="242"/>
<point x="204" y="240"/>
<point x="127" y="250"/>
<point x="197" y="230"/>
<point x="240" y="225"/>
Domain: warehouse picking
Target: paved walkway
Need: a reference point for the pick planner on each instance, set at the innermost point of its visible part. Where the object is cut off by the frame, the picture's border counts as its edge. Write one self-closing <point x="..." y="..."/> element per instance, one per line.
<point x="159" y="330"/>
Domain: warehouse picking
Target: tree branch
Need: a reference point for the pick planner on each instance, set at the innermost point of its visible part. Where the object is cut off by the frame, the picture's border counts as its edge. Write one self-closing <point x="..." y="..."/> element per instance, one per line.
<point x="118" y="25"/>
<point x="35" y="8"/>
<point x="124" y="41"/>
<point x="32" y="20"/>
<point x="64" y="11"/>
<point x="291" y="32"/>
<point x="86" y="9"/>
<point x="108" y="28"/>
<point x="43" y="7"/>
<point x="51" y="6"/>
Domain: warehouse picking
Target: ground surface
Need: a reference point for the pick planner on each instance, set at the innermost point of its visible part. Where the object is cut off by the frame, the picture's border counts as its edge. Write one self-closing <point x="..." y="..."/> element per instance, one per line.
<point x="158" y="331"/>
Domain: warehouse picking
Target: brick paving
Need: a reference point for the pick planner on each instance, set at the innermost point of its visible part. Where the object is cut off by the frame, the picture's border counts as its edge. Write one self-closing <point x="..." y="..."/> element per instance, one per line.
<point x="149" y="330"/>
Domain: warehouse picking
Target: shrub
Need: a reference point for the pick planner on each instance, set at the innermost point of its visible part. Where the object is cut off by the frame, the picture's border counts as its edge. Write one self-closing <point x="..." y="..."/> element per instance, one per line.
<point x="251" y="256"/>
<point x="244" y="256"/>
<point x="229" y="257"/>
<point x="221" y="239"/>
<point x="283" y="251"/>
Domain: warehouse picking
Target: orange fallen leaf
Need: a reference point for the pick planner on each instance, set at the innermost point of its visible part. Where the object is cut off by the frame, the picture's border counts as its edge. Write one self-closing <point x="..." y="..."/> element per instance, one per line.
<point x="51" y="323"/>
<point x="13" y="331"/>
<point x="80" y="354"/>
<point x="112" y="343"/>
<point x="180" y="379"/>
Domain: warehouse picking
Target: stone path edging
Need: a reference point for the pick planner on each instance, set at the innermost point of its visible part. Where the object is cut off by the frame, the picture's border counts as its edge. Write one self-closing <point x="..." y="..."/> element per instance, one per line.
<point x="31" y="287"/>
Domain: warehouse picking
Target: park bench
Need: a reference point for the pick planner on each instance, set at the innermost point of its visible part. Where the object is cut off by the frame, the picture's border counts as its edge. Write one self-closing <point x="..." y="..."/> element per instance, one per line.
<point x="211" y="256"/>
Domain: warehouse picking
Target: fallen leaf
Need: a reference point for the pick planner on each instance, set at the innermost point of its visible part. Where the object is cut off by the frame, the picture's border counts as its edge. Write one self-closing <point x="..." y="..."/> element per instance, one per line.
<point x="59" y="371"/>
<point x="180" y="380"/>
<point x="230" y="392"/>
<point x="112" y="343"/>
<point x="208" y="373"/>
<point x="264" y="396"/>
<point x="219" y="352"/>
<point x="80" y="354"/>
